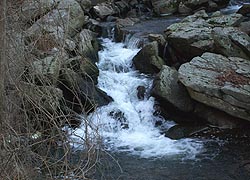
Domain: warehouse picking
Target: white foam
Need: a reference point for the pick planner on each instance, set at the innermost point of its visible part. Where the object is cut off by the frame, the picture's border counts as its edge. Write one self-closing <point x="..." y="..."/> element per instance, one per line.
<point x="135" y="131"/>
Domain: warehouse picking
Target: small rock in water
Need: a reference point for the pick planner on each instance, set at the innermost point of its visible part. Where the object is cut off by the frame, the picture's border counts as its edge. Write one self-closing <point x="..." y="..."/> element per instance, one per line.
<point x="179" y="131"/>
<point x="141" y="92"/>
<point x="138" y="149"/>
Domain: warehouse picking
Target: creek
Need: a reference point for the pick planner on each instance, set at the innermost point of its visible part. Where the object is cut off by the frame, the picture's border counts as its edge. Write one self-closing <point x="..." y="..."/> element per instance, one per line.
<point x="137" y="149"/>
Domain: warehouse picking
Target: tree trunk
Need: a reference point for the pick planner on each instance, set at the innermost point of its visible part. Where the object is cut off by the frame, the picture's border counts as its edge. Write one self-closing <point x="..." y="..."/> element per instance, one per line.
<point x="2" y="57"/>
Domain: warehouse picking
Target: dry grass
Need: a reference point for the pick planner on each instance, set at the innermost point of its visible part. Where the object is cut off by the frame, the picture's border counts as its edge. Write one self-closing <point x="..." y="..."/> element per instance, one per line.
<point x="33" y="144"/>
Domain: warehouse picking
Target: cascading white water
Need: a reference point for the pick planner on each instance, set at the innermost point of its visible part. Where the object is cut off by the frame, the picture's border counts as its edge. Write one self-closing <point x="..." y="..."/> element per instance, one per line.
<point x="128" y="124"/>
<point x="234" y="6"/>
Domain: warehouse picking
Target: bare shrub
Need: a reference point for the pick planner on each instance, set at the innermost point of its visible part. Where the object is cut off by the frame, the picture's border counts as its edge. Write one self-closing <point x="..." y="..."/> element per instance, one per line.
<point x="33" y="142"/>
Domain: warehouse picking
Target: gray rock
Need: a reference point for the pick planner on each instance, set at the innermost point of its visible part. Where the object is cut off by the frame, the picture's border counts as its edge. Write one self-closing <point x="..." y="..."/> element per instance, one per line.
<point x="208" y="5"/>
<point x="229" y="41"/>
<point x="157" y="37"/>
<point x="226" y="20"/>
<point x="87" y="44"/>
<point x="180" y="131"/>
<point x="194" y="3"/>
<point x="197" y="34"/>
<point x="60" y="23"/>
<point x="43" y="98"/>
<point x="162" y="7"/>
<point x="190" y="39"/>
<point x="167" y="88"/>
<point x="47" y="70"/>
<point x="183" y="9"/>
<point x="85" y="4"/>
<point x="219" y="82"/>
<point x="105" y="9"/>
<point x="31" y="10"/>
<point x="147" y="59"/>
<point x="216" y="117"/>
<point x="84" y="67"/>
<point x="245" y="27"/>
<point x="81" y="95"/>
<point x="120" y="26"/>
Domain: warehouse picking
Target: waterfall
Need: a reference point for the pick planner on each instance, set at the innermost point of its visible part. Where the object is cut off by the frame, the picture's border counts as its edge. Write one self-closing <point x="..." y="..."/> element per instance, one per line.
<point x="128" y="124"/>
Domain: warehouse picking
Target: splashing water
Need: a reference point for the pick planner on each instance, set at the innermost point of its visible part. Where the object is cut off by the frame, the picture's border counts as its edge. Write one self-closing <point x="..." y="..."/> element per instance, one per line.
<point x="128" y="124"/>
<point x="234" y="6"/>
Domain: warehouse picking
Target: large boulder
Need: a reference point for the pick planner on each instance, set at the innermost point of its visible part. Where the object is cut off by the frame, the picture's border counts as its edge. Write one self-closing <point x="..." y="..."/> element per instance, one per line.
<point x="148" y="60"/>
<point x="219" y="82"/>
<point x="190" y="39"/>
<point x="167" y="89"/>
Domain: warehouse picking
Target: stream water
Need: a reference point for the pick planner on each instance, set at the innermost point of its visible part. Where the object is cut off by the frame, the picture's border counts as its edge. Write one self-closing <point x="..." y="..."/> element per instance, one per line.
<point x="138" y="149"/>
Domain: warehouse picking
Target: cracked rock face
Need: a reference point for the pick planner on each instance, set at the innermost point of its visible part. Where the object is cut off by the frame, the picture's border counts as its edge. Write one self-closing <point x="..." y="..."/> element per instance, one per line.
<point x="219" y="82"/>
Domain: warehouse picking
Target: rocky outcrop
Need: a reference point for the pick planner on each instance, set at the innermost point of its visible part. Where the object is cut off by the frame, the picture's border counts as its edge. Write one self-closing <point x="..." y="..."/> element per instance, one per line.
<point x="167" y="88"/>
<point x="148" y="60"/>
<point x="219" y="82"/>
<point x="199" y="33"/>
